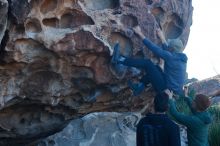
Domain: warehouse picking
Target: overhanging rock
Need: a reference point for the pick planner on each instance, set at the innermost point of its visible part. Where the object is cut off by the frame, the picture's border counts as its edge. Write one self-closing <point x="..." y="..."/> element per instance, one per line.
<point x="56" y="63"/>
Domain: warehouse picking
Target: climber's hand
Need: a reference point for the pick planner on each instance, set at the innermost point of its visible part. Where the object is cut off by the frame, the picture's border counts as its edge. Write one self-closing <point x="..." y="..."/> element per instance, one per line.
<point x="161" y="35"/>
<point x="169" y="93"/>
<point x="138" y="31"/>
<point x="186" y="91"/>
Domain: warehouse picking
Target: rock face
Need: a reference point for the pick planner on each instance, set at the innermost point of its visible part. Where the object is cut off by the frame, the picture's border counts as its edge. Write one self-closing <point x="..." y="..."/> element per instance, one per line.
<point x="55" y="59"/>
<point x="107" y="129"/>
<point x="209" y="87"/>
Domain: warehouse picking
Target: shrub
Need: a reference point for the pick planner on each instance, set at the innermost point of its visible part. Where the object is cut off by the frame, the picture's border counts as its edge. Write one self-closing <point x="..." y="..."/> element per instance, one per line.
<point x="214" y="133"/>
<point x="215" y="111"/>
<point x="214" y="130"/>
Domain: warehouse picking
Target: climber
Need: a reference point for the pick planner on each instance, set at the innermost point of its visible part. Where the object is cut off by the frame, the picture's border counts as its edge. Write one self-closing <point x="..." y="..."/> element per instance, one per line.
<point x="157" y="129"/>
<point x="173" y="76"/>
<point x="198" y="122"/>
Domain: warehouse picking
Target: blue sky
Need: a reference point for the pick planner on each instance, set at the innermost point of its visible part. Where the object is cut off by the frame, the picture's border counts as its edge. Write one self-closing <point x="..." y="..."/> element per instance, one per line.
<point x="203" y="48"/>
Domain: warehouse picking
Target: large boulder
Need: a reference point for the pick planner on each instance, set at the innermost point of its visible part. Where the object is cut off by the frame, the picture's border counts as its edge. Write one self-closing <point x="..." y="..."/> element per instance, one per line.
<point x="106" y="129"/>
<point x="209" y="86"/>
<point x="56" y="57"/>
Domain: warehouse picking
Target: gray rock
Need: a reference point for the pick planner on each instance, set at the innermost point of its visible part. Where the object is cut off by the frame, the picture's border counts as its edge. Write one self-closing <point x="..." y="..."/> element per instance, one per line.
<point x="3" y="17"/>
<point x="216" y="100"/>
<point x="104" y="129"/>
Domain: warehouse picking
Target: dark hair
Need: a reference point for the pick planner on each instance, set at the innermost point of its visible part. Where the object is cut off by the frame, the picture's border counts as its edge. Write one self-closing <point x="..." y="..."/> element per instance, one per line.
<point x="202" y="102"/>
<point x="161" y="102"/>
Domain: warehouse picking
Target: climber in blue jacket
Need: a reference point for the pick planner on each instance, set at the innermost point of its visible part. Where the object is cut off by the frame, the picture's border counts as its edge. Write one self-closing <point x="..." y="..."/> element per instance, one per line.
<point x="173" y="76"/>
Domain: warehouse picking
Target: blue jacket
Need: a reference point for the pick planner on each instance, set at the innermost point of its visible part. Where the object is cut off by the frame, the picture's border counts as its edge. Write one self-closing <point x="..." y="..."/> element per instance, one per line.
<point x="157" y="130"/>
<point x="174" y="67"/>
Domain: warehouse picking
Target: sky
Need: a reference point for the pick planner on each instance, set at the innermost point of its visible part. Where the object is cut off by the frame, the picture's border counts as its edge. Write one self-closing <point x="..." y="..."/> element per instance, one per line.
<point x="203" y="47"/>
